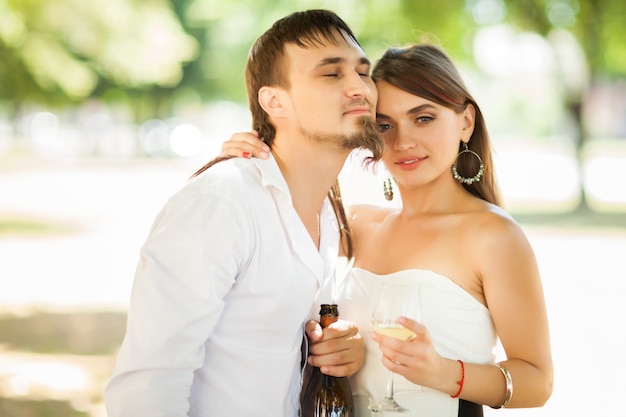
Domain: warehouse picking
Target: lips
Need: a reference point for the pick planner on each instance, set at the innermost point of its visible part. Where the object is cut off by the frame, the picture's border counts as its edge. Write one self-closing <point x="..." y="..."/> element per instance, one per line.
<point x="359" y="110"/>
<point x="359" y="106"/>
<point x="409" y="161"/>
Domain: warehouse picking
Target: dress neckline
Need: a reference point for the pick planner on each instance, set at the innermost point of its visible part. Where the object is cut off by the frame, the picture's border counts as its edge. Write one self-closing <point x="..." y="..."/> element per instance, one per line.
<point x="431" y="277"/>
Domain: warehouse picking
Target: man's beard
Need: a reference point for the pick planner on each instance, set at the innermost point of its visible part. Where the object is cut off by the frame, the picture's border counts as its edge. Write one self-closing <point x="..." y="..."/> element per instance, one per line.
<point x="367" y="137"/>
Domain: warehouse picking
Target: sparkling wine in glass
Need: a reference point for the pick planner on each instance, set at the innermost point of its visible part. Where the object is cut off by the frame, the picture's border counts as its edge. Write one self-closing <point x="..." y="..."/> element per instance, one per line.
<point x="393" y="301"/>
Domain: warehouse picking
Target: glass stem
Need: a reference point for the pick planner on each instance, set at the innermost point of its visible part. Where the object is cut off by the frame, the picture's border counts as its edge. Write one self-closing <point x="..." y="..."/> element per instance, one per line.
<point x="390" y="386"/>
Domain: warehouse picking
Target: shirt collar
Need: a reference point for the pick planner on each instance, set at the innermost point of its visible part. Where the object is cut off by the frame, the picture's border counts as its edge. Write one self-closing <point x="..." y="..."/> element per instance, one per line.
<point x="271" y="174"/>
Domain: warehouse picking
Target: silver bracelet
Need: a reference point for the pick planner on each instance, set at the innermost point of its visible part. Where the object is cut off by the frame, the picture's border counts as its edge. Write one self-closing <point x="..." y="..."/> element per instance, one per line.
<point x="509" y="386"/>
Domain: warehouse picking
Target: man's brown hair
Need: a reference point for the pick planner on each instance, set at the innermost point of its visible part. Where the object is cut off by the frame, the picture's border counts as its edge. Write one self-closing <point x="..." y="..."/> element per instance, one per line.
<point x="265" y="67"/>
<point x="266" y="60"/>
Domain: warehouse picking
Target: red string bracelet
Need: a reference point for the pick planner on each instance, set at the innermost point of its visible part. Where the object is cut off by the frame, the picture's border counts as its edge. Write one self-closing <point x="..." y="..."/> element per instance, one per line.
<point x="462" y="381"/>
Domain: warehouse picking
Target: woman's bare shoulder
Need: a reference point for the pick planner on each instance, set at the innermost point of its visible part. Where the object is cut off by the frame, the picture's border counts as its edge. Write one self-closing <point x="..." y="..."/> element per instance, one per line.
<point x="366" y="213"/>
<point x="363" y="221"/>
<point x="495" y="227"/>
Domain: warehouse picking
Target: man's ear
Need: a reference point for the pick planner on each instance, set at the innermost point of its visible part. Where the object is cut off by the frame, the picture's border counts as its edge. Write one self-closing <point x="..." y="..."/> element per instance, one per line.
<point x="271" y="100"/>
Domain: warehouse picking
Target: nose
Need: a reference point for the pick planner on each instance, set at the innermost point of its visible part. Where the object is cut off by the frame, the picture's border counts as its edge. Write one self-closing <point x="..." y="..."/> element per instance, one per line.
<point x="357" y="86"/>
<point x="403" y="140"/>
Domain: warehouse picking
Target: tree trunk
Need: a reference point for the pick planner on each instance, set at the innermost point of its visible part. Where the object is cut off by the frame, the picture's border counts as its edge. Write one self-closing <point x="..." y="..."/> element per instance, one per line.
<point x="580" y="139"/>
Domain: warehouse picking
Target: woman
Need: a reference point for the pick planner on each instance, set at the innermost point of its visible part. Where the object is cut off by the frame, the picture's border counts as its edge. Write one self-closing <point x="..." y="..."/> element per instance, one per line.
<point x="477" y="273"/>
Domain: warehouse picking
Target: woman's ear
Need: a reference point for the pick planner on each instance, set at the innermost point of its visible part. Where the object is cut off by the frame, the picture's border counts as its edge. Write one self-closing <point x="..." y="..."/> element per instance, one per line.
<point x="469" y="116"/>
<point x="270" y="100"/>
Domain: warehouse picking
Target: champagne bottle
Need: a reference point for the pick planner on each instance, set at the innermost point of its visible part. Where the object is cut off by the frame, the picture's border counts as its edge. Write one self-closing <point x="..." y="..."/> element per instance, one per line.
<point x="325" y="395"/>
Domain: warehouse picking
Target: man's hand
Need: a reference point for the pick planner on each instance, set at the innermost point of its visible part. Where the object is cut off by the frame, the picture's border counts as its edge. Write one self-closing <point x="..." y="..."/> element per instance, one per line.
<point x="338" y="350"/>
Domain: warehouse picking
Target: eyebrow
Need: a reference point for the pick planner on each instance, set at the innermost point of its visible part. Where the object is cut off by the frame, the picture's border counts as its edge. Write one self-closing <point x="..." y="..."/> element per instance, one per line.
<point x="409" y="112"/>
<point x="339" y="60"/>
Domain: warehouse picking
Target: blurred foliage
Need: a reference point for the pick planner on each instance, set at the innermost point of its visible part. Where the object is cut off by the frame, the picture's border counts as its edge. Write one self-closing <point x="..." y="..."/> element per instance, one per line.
<point x="152" y="54"/>
<point x="226" y="30"/>
<point x="58" y="52"/>
<point x="597" y="24"/>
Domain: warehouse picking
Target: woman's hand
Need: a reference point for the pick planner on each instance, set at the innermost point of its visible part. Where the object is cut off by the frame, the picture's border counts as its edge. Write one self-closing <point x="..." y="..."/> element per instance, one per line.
<point x="416" y="359"/>
<point x="246" y="145"/>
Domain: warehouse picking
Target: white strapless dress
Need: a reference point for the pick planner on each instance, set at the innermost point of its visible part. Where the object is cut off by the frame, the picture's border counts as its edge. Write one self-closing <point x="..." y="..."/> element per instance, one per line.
<point x="460" y="326"/>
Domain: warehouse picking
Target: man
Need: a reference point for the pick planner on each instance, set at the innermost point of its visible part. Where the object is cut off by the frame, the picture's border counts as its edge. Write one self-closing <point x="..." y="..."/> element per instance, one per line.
<point x="241" y="257"/>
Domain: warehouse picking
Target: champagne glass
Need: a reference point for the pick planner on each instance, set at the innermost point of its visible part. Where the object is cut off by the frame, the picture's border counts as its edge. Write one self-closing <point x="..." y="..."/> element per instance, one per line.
<point x="392" y="301"/>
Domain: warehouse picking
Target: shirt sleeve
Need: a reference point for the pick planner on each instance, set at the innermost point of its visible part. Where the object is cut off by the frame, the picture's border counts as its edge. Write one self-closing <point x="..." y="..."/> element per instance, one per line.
<point x="195" y="250"/>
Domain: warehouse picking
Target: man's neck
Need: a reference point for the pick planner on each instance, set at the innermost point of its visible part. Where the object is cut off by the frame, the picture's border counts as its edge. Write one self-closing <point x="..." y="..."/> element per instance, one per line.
<point x="310" y="169"/>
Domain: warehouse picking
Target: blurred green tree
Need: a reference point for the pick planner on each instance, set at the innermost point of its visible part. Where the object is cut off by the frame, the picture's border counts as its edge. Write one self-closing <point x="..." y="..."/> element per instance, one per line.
<point x="225" y="30"/>
<point x="598" y="27"/>
<point x="153" y="54"/>
<point x="59" y="52"/>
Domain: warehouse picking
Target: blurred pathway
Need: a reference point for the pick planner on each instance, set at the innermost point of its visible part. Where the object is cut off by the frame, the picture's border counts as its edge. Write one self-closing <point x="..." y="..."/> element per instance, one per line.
<point x="110" y="208"/>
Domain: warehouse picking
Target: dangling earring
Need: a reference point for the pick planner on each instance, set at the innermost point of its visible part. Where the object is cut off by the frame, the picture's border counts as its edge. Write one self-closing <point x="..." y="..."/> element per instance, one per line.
<point x="388" y="189"/>
<point x="475" y="178"/>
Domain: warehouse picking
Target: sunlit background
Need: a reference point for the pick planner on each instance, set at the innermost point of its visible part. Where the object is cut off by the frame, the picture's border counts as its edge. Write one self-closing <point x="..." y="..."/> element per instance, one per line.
<point x="108" y="106"/>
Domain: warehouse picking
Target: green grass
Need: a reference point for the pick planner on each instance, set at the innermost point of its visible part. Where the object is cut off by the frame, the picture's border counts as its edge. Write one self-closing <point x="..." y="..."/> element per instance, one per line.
<point x="22" y="226"/>
<point x="81" y="333"/>
<point x="10" y="407"/>
<point x="575" y="220"/>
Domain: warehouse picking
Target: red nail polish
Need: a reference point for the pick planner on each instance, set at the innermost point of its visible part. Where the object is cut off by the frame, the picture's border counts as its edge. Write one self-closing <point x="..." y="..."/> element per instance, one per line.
<point x="246" y="155"/>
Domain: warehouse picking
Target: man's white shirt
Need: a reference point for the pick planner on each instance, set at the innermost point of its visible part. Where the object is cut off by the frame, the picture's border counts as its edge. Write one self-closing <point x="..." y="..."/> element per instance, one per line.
<point x="226" y="279"/>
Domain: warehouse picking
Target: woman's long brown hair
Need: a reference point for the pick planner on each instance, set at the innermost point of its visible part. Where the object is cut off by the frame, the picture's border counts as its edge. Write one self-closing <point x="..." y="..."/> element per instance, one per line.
<point x="334" y="195"/>
<point x="425" y="70"/>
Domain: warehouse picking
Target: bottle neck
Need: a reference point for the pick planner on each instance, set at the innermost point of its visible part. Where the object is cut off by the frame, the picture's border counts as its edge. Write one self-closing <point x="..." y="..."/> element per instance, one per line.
<point x="326" y="321"/>
<point x="328" y="314"/>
